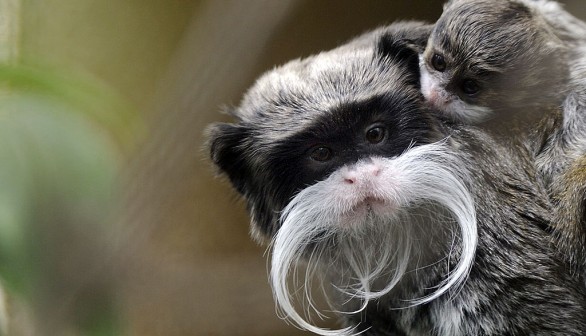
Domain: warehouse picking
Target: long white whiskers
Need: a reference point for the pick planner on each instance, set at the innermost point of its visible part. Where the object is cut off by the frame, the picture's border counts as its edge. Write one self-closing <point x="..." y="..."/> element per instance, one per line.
<point x="312" y="225"/>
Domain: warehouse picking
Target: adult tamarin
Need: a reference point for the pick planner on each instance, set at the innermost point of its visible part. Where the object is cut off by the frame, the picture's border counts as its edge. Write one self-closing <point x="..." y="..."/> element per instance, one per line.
<point x="413" y="225"/>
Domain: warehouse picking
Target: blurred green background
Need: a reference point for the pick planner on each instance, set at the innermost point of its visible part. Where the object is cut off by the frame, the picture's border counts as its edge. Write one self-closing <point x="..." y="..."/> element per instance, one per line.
<point x="111" y="219"/>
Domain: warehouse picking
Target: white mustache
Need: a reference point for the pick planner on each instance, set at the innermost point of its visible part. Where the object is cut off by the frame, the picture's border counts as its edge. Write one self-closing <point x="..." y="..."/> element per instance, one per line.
<point x="372" y="241"/>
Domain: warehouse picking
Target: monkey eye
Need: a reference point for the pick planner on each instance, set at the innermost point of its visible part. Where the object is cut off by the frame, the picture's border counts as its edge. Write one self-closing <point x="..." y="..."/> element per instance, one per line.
<point x="438" y="62"/>
<point x="470" y="87"/>
<point x="375" y="134"/>
<point x="321" y="154"/>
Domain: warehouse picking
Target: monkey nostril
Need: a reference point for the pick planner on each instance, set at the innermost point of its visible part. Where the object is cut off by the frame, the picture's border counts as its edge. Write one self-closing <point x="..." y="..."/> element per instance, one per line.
<point x="350" y="180"/>
<point x="350" y="177"/>
<point x="366" y="174"/>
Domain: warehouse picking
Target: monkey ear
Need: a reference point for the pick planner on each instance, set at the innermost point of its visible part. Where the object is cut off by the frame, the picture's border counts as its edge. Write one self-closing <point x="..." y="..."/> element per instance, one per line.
<point x="226" y="147"/>
<point x="402" y="51"/>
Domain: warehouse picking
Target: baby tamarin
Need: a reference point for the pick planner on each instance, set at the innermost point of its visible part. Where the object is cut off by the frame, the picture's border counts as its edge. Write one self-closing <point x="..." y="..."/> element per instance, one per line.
<point x="501" y="60"/>
<point x="498" y="59"/>
<point x="415" y="226"/>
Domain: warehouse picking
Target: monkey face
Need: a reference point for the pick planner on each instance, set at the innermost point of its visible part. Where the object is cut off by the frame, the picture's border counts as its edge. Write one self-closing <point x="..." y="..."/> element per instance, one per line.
<point x="447" y="89"/>
<point x="343" y="166"/>
<point x="309" y="118"/>
<point x="487" y="58"/>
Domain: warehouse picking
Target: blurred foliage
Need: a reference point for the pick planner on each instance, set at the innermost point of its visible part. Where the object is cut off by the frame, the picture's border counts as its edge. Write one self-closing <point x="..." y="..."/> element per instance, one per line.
<point x="63" y="139"/>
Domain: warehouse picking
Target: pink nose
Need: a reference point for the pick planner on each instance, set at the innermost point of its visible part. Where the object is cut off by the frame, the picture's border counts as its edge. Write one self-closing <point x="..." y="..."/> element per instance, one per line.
<point x="361" y="174"/>
<point x="438" y="98"/>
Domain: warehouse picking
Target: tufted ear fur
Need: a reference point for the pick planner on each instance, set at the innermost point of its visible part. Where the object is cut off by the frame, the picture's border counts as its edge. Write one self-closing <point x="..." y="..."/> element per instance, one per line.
<point x="404" y="52"/>
<point x="228" y="145"/>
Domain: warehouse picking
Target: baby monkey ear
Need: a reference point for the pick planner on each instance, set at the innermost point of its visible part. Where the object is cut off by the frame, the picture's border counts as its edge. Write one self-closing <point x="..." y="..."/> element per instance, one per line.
<point x="226" y="147"/>
<point x="403" y="52"/>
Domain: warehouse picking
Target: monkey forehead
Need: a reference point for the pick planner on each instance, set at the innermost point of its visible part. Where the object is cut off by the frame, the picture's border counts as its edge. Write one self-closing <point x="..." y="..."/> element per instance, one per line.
<point x="497" y="31"/>
<point x="288" y="98"/>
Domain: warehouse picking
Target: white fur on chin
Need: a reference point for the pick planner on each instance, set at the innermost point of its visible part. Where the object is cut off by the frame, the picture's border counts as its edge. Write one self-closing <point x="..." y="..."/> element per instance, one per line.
<point x="319" y="227"/>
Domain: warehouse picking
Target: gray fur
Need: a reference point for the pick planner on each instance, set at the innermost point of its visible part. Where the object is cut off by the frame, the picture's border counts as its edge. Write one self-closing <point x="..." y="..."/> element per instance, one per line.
<point x="559" y="148"/>
<point x="517" y="284"/>
<point x="564" y="25"/>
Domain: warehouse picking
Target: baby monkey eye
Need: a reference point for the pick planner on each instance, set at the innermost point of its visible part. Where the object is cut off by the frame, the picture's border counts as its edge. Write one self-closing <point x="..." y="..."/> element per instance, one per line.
<point x="470" y="87"/>
<point x="375" y="134"/>
<point x="321" y="154"/>
<point x="438" y="62"/>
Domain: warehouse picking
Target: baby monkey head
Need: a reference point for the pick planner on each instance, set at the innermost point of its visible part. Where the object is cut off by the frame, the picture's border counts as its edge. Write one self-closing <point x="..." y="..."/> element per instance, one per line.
<point x="486" y="58"/>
